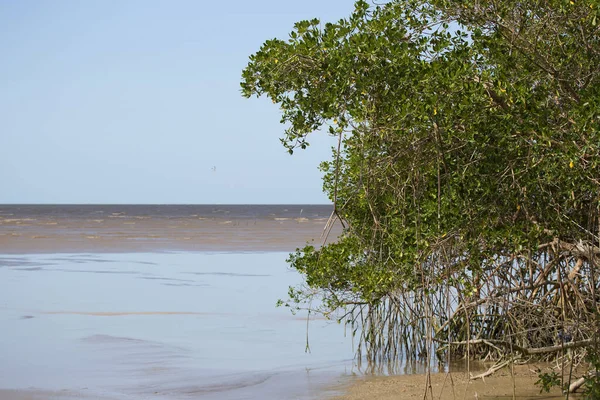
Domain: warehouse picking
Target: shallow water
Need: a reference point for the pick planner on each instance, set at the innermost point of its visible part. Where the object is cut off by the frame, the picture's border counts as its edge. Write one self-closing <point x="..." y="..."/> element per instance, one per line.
<point x="154" y="228"/>
<point x="170" y="325"/>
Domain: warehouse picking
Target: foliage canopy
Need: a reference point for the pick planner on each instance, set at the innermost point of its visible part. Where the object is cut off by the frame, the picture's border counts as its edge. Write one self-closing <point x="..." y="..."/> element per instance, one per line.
<point x="468" y="173"/>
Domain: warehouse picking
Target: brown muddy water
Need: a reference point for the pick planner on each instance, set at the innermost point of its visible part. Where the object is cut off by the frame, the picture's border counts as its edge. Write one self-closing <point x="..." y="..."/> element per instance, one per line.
<point x="152" y="228"/>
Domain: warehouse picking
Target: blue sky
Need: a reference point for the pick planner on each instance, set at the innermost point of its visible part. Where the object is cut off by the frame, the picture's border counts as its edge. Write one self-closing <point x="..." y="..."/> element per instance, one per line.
<point x="135" y="101"/>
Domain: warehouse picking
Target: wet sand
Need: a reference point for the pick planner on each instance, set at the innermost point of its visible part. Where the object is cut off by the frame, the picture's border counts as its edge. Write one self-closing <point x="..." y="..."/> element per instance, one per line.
<point x="444" y="386"/>
<point x="502" y="385"/>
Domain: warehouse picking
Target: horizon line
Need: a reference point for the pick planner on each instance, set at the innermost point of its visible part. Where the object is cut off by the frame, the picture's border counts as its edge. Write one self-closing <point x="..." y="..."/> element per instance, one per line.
<point x="166" y="204"/>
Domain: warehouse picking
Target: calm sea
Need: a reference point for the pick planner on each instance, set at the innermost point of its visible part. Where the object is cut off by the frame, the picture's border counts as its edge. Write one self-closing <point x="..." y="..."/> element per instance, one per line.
<point x="166" y="302"/>
<point x="161" y="211"/>
<point x="134" y="228"/>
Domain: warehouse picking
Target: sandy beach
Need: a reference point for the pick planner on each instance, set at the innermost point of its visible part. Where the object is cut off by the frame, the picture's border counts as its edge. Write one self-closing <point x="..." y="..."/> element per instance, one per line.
<point x="502" y="385"/>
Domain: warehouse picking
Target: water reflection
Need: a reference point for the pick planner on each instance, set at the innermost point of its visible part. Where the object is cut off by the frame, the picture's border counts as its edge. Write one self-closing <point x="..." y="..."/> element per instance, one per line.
<point x="412" y="367"/>
<point x="169" y="325"/>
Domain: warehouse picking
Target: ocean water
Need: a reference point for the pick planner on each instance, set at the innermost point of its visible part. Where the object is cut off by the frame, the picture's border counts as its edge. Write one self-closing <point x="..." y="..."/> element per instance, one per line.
<point x="156" y="228"/>
<point x="164" y="320"/>
<point x="164" y="211"/>
<point x="173" y="325"/>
